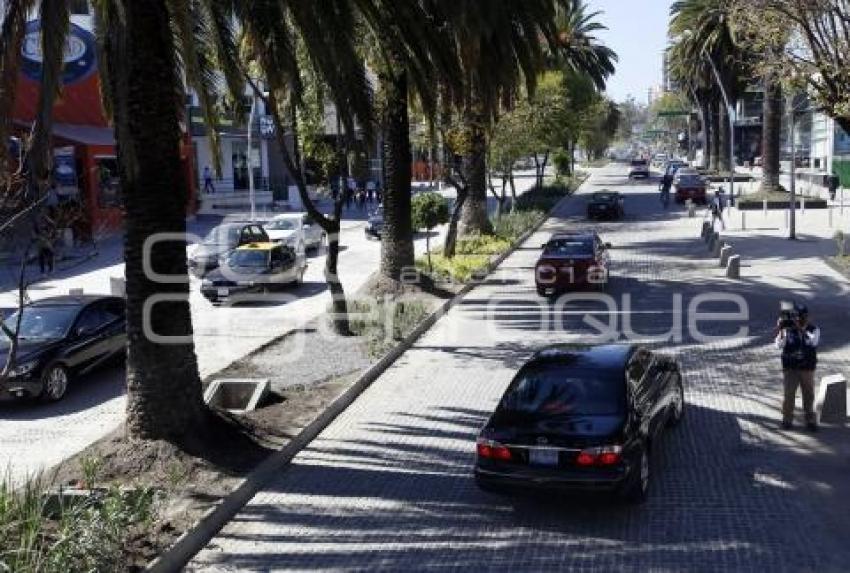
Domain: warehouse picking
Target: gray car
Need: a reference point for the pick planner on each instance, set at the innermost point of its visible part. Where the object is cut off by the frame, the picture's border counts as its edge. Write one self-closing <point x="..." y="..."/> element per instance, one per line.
<point x="221" y="241"/>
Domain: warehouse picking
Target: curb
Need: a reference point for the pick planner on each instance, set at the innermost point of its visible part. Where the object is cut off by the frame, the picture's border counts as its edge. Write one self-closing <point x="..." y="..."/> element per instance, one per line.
<point x="191" y="542"/>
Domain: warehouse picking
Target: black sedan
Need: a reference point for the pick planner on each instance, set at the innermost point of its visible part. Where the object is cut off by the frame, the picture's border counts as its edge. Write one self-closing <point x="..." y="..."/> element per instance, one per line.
<point x="606" y="205"/>
<point x="59" y="339"/>
<point x="581" y="418"/>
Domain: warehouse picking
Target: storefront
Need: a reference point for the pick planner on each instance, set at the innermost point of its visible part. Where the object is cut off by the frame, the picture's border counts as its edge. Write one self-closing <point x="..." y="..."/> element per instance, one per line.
<point x="85" y="156"/>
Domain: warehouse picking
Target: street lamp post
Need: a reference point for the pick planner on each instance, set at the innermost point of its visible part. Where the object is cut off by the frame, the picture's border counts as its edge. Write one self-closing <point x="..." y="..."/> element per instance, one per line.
<point x="792" y="216"/>
<point x="250" y="157"/>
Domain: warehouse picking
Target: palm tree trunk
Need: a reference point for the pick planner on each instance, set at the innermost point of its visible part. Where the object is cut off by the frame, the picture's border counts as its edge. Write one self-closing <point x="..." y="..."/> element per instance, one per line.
<point x="474" y="217"/>
<point x="450" y="244"/>
<point x="771" y="134"/>
<point x="397" y="237"/>
<point x="15" y="18"/>
<point x="163" y="385"/>
<point x="723" y="159"/>
<point x="714" y="115"/>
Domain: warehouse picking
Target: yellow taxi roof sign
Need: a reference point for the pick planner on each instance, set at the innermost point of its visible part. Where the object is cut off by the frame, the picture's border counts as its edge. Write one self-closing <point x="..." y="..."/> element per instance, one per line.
<point x="263" y="246"/>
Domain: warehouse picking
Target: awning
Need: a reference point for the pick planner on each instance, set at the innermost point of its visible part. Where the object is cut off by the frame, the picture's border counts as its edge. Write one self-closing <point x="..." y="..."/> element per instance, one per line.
<point x="85" y="134"/>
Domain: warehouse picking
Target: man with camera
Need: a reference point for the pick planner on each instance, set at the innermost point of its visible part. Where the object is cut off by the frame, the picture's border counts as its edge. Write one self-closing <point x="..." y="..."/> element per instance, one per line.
<point x="798" y="339"/>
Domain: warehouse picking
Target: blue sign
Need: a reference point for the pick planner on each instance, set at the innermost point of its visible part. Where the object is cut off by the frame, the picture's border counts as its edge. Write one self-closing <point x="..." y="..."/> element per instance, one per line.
<point x="64" y="167"/>
<point x="80" y="57"/>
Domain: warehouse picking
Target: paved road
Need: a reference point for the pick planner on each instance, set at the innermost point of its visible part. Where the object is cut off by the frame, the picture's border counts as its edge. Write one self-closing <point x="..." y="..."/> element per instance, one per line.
<point x="388" y="485"/>
<point x="95" y="406"/>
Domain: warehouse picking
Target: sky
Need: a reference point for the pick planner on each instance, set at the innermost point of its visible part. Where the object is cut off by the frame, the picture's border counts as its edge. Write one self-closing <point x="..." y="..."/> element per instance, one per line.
<point x="637" y="31"/>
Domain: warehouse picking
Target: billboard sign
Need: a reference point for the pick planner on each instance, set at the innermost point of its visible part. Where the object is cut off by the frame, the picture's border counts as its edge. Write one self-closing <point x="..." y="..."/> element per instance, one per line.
<point x="80" y="57"/>
<point x="64" y="168"/>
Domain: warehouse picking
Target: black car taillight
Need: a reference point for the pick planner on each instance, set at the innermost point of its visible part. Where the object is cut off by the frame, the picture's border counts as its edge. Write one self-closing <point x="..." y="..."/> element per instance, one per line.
<point x="606" y="456"/>
<point x="491" y="450"/>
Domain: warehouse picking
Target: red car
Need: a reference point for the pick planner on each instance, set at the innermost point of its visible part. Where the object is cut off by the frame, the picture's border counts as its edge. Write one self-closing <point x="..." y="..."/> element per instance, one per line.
<point x="689" y="184"/>
<point x="572" y="261"/>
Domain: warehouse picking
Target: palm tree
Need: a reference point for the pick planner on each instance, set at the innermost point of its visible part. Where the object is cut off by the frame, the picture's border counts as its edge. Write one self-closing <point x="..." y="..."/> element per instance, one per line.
<point x="412" y="54"/>
<point x="146" y="52"/>
<point x="704" y="30"/>
<point x="327" y="30"/>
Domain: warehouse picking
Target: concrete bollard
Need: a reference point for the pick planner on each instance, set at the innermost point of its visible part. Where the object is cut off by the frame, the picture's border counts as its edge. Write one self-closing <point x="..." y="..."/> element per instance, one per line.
<point x="831" y="400"/>
<point x="692" y="210"/>
<point x="713" y="239"/>
<point x="75" y="292"/>
<point x="117" y="287"/>
<point x="718" y="246"/>
<point x="725" y="253"/>
<point x="706" y="229"/>
<point x="764" y="206"/>
<point x="733" y="267"/>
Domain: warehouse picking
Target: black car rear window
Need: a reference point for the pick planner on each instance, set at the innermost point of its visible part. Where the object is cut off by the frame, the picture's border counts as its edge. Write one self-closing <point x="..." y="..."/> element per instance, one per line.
<point x="638" y="163"/>
<point x="545" y="389"/>
<point x="569" y="247"/>
<point x="690" y="180"/>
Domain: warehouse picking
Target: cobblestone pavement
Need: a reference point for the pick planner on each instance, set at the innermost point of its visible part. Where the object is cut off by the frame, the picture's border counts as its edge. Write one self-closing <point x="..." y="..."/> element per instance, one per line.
<point x="388" y="485"/>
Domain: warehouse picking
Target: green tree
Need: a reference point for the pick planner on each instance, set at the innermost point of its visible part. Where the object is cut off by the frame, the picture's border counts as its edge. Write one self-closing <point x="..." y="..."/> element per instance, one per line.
<point x="429" y="210"/>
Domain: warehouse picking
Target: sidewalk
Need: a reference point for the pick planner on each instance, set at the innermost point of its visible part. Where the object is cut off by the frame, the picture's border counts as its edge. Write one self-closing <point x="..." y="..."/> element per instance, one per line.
<point x="388" y="485"/>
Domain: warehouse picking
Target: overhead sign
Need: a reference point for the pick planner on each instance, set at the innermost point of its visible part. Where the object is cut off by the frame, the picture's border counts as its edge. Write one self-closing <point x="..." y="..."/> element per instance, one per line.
<point x="79" y="59"/>
<point x="267" y="128"/>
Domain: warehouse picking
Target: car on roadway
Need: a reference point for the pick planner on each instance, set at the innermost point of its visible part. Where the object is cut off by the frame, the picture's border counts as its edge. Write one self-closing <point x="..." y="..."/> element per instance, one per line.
<point x="639" y="168"/>
<point x="254" y="268"/>
<point x="580" y="418"/>
<point x="219" y="242"/>
<point x="606" y="205"/>
<point x="375" y="223"/>
<point x="659" y="159"/>
<point x="292" y="228"/>
<point x="689" y="184"/>
<point x="575" y="260"/>
<point x="60" y="339"/>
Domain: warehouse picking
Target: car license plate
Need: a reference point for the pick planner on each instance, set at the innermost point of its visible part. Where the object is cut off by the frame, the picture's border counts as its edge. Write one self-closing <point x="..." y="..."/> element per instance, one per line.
<point x="223" y="292"/>
<point x="543" y="457"/>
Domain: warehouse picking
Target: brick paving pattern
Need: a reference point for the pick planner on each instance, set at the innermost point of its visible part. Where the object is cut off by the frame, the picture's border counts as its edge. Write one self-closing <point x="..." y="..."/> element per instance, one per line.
<point x="388" y="485"/>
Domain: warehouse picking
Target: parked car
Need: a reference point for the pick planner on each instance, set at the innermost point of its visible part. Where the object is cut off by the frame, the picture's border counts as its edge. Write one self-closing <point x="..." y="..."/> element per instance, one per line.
<point x="254" y="268"/>
<point x="572" y="261"/>
<point x="581" y="418"/>
<point x="639" y="168"/>
<point x="61" y="339"/>
<point x="606" y="205"/>
<point x="689" y="184"/>
<point x="291" y="228"/>
<point x="375" y="223"/>
<point x="220" y="241"/>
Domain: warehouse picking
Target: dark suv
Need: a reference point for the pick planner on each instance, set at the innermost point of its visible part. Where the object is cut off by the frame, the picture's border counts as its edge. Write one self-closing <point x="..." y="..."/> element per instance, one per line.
<point x="583" y="418"/>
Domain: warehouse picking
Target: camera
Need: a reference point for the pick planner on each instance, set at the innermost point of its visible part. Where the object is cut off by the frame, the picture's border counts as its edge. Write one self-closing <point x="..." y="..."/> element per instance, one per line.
<point x="788" y="315"/>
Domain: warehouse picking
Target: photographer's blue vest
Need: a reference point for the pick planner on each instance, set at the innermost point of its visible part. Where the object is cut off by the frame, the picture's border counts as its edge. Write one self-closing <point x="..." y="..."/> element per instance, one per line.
<point x="797" y="355"/>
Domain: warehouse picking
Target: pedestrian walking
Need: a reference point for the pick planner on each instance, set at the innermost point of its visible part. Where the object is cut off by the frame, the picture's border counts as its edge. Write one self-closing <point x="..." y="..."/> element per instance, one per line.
<point x="44" y="243"/>
<point x="379" y="194"/>
<point x="370" y="191"/>
<point x="666" y="184"/>
<point x="361" y="199"/>
<point x="349" y="197"/>
<point x="798" y="339"/>
<point x="209" y="188"/>
<point x="833" y="184"/>
<point x="718" y="204"/>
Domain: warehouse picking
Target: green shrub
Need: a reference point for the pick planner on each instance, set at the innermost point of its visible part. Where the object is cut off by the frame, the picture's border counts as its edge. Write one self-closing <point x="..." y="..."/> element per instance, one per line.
<point x="88" y="535"/>
<point x="459" y="268"/>
<point x="561" y="161"/>
<point x="483" y="244"/>
<point x="384" y="323"/>
<point x="512" y="225"/>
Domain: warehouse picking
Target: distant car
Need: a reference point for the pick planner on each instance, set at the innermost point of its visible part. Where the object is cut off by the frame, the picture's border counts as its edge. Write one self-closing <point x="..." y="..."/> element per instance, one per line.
<point x="689" y="184"/>
<point x="375" y="223"/>
<point x="606" y="205"/>
<point x="582" y="419"/>
<point x="572" y="261"/>
<point x="660" y="159"/>
<point x="639" y="168"/>
<point x="254" y="268"/>
<point x="60" y="339"/>
<point x="289" y="228"/>
<point x="220" y="241"/>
